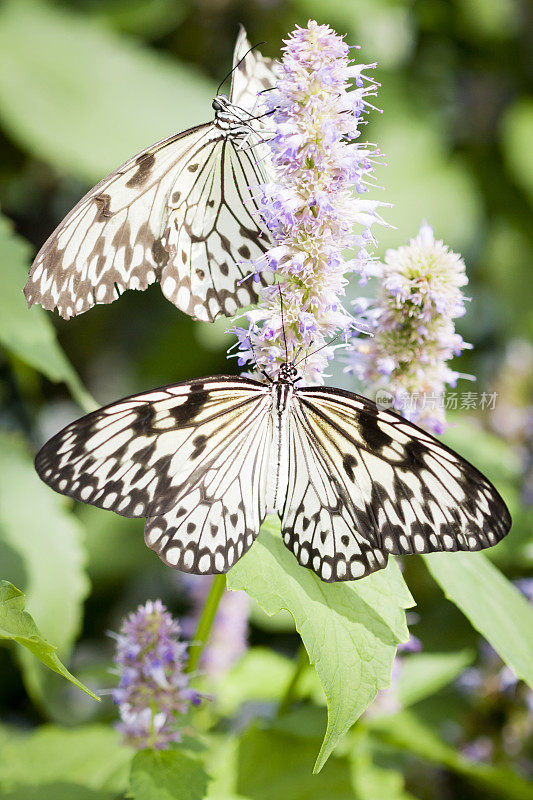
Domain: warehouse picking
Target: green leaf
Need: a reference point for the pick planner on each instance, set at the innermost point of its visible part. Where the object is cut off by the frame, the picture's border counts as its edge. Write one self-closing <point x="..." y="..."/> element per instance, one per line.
<point x="146" y="18"/>
<point x="492" y="604"/>
<point x="406" y="732"/>
<point x="517" y="130"/>
<point x="221" y="762"/>
<point x="261" y="674"/>
<point x="167" y="775"/>
<point x="98" y="97"/>
<point x="276" y="764"/>
<point x="57" y="791"/>
<point x="43" y="542"/>
<point x="350" y="630"/>
<point x="18" y="626"/>
<point x="424" y="674"/>
<point x="29" y="333"/>
<point x="90" y="756"/>
<point x="371" y="781"/>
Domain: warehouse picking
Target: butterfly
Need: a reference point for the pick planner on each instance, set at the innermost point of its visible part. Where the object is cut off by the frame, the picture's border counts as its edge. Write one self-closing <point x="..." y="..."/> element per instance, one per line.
<point x="206" y="460"/>
<point x="181" y="212"/>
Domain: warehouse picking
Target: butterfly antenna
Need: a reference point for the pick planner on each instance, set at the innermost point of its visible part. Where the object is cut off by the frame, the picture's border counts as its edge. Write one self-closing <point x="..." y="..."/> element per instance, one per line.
<point x="283" y="323"/>
<point x="327" y="344"/>
<point x="258" y="368"/>
<point x="237" y="65"/>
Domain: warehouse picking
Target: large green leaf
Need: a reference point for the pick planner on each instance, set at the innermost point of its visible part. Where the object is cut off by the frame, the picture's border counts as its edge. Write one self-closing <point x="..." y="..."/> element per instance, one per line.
<point x="87" y="99"/>
<point x="17" y="625"/>
<point x="492" y="604"/>
<point x="90" y="756"/>
<point x="350" y="630"/>
<point x="167" y="775"/>
<point x="29" y="333"/>
<point x="406" y="732"/>
<point x="42" y="542"/>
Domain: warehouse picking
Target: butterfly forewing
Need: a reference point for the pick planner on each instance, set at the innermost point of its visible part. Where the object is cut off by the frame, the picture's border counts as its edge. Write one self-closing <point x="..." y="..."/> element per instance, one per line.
<point x="181" y="212"/>
<point x="393" y="488"/>
<point x="136" y="456"/>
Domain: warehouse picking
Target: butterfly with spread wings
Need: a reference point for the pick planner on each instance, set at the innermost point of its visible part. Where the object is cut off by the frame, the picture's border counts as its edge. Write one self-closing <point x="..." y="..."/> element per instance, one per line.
<point x="181" y="213"/>
<point x="205" y="461"/>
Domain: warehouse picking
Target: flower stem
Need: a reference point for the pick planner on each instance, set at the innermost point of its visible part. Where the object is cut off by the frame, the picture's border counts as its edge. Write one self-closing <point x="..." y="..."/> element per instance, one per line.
<point x="206" y="621"/>
<point x="302" y="661"/>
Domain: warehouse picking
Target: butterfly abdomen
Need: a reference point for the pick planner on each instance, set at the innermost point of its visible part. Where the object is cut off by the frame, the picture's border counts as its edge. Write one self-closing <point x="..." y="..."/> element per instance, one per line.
<point x="278" y="472"/>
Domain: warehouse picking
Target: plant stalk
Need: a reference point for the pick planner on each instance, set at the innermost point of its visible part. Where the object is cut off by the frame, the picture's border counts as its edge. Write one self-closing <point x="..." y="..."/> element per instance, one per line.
<point x="206" y="622"/>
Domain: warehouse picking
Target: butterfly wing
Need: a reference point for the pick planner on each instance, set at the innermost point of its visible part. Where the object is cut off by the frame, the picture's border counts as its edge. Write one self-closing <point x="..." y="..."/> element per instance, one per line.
<point x="252" y="74"/>
<point x="112" y="239"/>
<point x="364" y="483"/>
<point x="191" y="457"/>
<point x="180" y="212"/>
<point x="213" y="232"/>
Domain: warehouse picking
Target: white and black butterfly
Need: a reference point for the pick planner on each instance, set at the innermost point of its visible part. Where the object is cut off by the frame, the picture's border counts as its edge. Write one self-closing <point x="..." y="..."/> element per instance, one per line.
<point x="205" y="461"/>
<point x="180" y="212"/>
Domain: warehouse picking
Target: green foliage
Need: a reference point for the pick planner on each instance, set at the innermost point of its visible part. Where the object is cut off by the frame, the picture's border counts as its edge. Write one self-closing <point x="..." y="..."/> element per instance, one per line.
<point x="425" y="673"/>
<point x="517" y="133"/>
<point x="405" y="731"/>
<point x="431" y="185"/>
<point x="273" y="763"/>
<point x="370" y="780"/>
<point x="350" y="630"/>
<point x="85" y="84"/>
<point x="493" y="605"/>
<point x="89" y="758"/>
<point x="41" y="544"/>
<point x="17" y="625"/>
<point x="88" y="123"/>
<point x="260" y="675"/>
<point x="29" y="335"/>
<point x="167" y="775"/>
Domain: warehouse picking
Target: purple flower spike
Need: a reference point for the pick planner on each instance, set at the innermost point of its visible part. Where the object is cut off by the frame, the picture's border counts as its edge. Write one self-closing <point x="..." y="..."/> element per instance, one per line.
<point x="309" y="205"/>
<point x="153" y="690"/>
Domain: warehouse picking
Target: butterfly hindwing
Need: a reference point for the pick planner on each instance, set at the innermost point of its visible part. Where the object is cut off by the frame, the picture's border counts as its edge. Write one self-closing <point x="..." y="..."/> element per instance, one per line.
<point x="328" y="529"/>
<point x="212" y="233"/>
<point x="405" y="491"/>
<point x="221" y="505"/>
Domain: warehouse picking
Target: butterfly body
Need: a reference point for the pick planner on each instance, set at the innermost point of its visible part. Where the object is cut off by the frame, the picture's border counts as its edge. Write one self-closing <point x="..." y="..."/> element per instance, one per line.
<point x="205" y="461"/>
<point x="282" y="392"/>
<point x="230" y="119"/>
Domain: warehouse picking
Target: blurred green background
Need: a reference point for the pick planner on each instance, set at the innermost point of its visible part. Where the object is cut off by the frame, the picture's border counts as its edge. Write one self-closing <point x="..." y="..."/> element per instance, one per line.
<point x="84" y="85"/>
